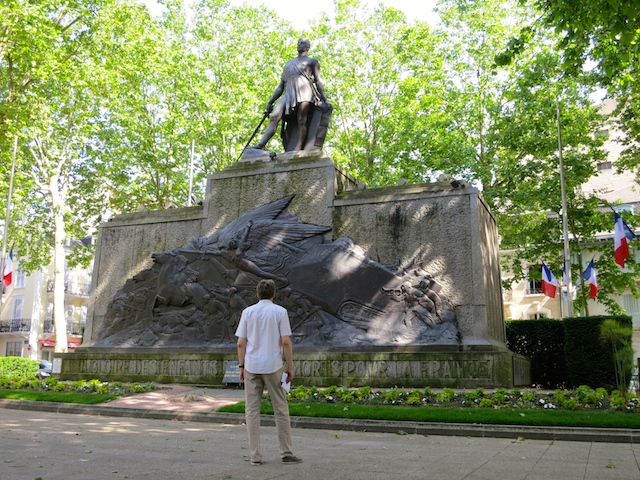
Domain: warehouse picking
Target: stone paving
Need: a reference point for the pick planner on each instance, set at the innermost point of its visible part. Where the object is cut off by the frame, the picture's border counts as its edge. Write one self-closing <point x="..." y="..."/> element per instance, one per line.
<point x="83" y="444"/>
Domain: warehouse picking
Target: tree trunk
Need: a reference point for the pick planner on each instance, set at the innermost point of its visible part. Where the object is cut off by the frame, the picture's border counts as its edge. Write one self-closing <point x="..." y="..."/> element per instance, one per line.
<point x="60" y="322"/>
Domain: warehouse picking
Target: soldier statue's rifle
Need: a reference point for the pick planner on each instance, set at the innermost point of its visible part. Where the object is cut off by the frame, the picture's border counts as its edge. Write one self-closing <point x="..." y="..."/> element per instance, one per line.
<point x="264" y="117"/>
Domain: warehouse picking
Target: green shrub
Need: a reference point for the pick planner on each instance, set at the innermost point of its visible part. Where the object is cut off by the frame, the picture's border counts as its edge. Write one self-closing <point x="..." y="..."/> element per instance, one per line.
<point x="15" y="367"/>
<point x="363" y="393"/>
<point x="474" y="395"/>
<point x="347" y="396"/>
<point x="392" y="396"/>
<point x="486" y="402"/>
<point x="571" y="404"/>
<point x="588" y="360"/>
<point x="94" y="385"/>
<point x="542" y="340"/>
<point x="5" y="381"/>
<point x="20" y="383"/>
<point x="559" y="398"/>
<point x="300" y="393"/>
<point x="501" y="396"/>
<point x="136" y="388"/>
<point x="446" y="395"/>
<point x="329" y="391"/>
<point x="51" y="381"/>
<point x="79" y="385"/>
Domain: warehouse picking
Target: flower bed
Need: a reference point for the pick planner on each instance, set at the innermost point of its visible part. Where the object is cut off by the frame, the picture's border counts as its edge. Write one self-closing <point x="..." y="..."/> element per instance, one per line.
<point x="79" y="386"/>
<point x="582" y="398"/>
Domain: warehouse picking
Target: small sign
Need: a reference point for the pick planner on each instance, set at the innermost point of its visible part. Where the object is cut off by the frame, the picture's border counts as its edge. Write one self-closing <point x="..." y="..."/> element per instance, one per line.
<point x="231" y="373"/>
<point x="56" y="366"/>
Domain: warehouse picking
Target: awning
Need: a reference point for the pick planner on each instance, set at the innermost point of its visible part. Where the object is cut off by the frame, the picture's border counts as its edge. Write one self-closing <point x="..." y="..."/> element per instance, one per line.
<point x="52" y="343"/>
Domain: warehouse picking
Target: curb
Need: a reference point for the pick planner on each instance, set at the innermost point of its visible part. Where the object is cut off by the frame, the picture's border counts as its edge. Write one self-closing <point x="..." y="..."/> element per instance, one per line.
<point x="576" y="434"/>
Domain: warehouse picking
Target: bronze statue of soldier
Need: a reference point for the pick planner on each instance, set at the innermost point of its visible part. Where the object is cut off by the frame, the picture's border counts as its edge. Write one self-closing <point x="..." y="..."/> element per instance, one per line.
<point x="301" y="105"/>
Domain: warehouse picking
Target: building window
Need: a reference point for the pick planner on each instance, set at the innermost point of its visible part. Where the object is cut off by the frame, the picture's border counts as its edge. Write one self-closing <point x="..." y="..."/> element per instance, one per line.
<point x="534" y="286"/>
<point x="18" y="300"/>
<point x="68" y="314"/>
<point x="536" y="316"/>
<point x="604" y="166"/>
<point x="14" y="349"/>
<point x="20" y="278"/>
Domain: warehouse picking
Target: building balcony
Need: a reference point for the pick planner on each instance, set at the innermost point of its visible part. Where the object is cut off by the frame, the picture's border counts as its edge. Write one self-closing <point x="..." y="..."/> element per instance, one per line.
<point x="75" y="289"/>
<point x="15" y="325"/>
<point x="73" y="328"/>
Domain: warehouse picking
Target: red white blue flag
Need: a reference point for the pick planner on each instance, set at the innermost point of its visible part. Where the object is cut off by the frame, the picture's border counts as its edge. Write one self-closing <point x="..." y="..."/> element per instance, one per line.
<point x="622" y="236"/>
<point x="7" y="273"/>
<point x="590" y="276"/>
<point x="549" y="282"/>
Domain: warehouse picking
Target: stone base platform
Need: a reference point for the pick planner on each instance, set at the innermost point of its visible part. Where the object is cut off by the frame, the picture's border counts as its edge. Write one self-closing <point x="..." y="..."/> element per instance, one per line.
<point x="384" y="367"/>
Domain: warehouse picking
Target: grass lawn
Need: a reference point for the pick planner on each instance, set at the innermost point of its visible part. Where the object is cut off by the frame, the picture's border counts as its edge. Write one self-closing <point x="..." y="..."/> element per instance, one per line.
<point x="498" y="416"/>
<point x="64" y="397"/>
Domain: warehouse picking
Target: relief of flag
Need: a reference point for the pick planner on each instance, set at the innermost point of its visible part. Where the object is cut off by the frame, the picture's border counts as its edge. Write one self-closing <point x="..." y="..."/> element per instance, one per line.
<point x="590" y="276"/>
<point x="622" y="236"/>
<point x="549" y="282"/>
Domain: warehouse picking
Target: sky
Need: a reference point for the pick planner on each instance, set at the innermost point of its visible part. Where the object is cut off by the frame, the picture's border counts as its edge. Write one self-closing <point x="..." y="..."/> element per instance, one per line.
<point x="299" y="15"/>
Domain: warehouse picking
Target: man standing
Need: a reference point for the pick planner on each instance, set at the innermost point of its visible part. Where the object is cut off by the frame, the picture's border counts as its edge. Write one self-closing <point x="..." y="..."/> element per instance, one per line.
<point x="264" y="334"/>
<point x="303" y="90"/>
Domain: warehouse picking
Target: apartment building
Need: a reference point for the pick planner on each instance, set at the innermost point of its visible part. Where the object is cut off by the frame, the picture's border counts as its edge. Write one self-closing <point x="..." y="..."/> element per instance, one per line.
<point x="26" y="311"/>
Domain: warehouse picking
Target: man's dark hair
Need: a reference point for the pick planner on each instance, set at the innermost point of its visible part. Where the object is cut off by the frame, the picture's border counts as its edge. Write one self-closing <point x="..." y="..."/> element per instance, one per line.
<point x="266" y="289"/>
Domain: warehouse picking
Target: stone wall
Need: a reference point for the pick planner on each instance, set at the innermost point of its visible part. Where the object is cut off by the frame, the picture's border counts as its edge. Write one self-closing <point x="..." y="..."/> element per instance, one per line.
<point x="450" y="232"/>
<point x="322" y="369"/>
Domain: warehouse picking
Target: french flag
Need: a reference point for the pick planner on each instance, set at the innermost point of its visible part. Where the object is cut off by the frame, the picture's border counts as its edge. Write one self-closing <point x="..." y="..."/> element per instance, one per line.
<point x="549" y="282"/>
<point x="622" y="236"/>
<point x="7" y="273"/>
<point x="590" y="276"/>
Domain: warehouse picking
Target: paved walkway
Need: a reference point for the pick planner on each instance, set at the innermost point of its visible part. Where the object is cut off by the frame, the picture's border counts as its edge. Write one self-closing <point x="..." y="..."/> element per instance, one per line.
<point x="181" y="438"/>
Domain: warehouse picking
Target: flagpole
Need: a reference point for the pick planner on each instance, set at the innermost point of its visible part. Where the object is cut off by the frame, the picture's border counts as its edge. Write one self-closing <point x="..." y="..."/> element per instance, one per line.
<point x="6" y="218"/>
<point x="193" y="147"/>
<point x="565" y="229"/>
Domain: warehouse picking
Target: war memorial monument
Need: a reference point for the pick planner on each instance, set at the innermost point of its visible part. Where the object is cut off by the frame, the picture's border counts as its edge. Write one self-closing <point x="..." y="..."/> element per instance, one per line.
<point x="393" y="286"/>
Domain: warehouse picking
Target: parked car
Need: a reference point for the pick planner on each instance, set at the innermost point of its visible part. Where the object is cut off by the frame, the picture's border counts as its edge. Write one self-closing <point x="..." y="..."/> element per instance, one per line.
<point x="45" y="370"/>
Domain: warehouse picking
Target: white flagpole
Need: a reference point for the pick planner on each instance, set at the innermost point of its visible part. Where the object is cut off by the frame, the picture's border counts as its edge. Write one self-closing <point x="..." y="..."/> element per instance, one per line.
<point x="6" y="218"/>
<point x="193" y="147"/>
<point x="565" y="229"/>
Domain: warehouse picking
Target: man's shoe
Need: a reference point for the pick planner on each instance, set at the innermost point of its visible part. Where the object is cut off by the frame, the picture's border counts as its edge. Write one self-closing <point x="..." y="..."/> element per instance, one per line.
<point x="291" y="460"/>
<point x="255" y="464"/>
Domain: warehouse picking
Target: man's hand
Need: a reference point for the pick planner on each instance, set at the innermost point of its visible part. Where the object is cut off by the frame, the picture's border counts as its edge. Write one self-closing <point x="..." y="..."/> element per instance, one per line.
<point x="289" y="371"/>
<point x="269" y="108"/>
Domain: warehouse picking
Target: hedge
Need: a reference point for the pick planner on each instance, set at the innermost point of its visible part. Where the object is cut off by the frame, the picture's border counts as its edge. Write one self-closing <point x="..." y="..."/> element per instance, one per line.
<point x="543" y="342"/>
<point x="565" y="353"/>
<point x="19" y="367"/>
<point x="589" y="362"/>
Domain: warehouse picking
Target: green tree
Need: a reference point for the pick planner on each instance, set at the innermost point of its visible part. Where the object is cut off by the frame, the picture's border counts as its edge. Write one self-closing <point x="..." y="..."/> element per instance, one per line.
<point x="601" y="30"/>
<point x="47" y="103"/>
<point x="619" y="338"/>
<point x="384" y="79"/>
<point x="199" y="76"/>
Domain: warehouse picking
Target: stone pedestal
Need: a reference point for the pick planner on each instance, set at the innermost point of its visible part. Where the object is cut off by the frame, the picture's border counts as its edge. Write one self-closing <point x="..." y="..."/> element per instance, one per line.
<point x="449" y="232"/>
